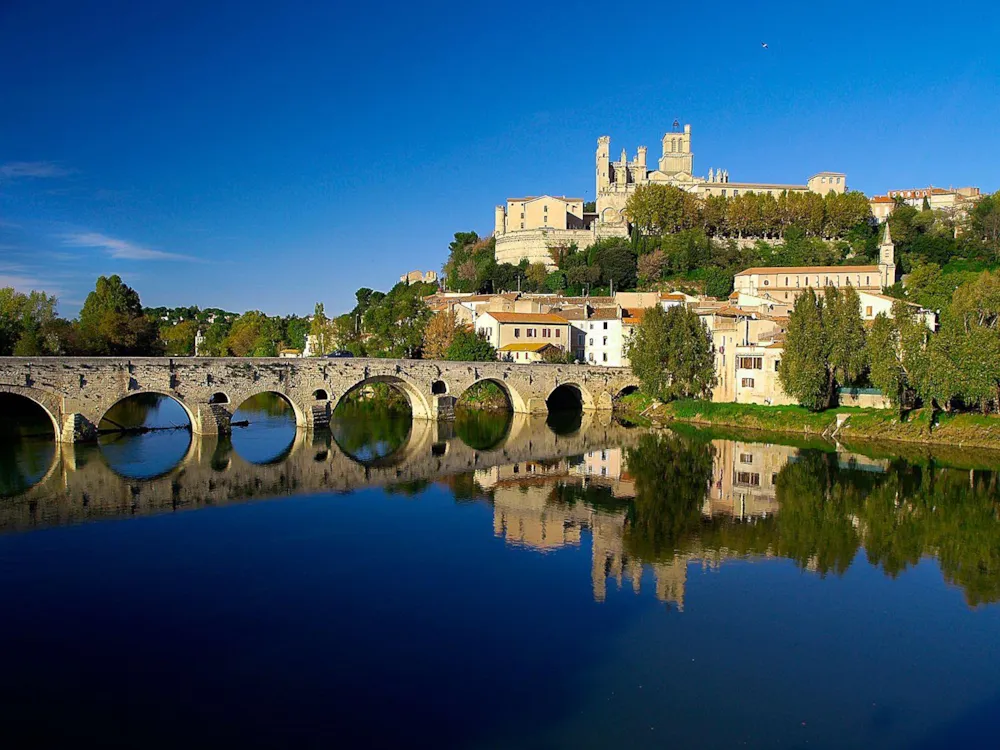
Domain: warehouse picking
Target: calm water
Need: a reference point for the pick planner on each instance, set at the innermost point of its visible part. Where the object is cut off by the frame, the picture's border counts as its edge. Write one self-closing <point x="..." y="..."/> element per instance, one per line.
<point x="496" y="582"/>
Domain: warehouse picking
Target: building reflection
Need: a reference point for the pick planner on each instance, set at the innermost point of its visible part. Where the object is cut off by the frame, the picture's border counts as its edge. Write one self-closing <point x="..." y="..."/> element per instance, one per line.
<point x="528" y="512"/>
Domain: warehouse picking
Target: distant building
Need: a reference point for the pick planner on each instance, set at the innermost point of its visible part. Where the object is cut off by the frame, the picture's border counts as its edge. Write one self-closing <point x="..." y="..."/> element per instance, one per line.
<point x="529" y="227"/>
<point x="956" y="201"/>
<point x="419" y="277"/>
<point x="289" y="353"/>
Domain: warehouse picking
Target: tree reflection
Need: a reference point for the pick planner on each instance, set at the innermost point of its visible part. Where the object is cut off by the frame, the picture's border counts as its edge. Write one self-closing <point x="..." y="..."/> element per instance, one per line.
<point x="482" y="429"/>
<point x="671" y="480"/>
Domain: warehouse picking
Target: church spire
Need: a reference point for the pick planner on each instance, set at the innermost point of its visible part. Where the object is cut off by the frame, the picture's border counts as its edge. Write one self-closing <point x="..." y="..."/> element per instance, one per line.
<point x="887" y="239"/>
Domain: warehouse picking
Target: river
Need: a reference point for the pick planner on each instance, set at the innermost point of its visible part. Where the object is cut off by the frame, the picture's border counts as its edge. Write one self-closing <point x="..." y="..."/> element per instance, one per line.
<point x="495" y="582"/>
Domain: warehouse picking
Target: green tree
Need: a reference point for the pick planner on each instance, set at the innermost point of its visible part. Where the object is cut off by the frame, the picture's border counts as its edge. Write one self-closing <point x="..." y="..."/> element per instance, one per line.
<point x="321" y="330"/>
<point x="253" y="334"/>
<point x="845" y="335"/>
<point x="112" y="321"/>
<point x="616" y="261"/>
<point x="884" y="358"/>
<point x="467" y="346"/>
<point x="718" y="283"/>
<point x="26" y="323"/>
<point x="803" y="371"/>
<point x="178" y="340"/>
<point x="671" y="354"/>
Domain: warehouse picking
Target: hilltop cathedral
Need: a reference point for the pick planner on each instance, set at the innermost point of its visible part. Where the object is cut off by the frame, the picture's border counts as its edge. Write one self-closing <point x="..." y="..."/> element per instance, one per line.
<point x="527" y="227"/>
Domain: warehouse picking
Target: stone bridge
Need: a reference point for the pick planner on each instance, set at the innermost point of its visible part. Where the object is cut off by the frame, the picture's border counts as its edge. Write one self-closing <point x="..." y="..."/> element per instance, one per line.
<point x="79" y="485"/>
<point x="77" y="392"/>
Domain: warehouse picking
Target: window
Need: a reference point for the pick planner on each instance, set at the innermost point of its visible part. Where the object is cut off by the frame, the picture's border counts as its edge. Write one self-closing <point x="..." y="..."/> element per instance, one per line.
<point x="766" y="282"/>
<point x="517" y="333"/>
<point x="604" y="455"/>
<point x="591" y="340"/>
<point x="522" y="214"/>
<point x="605" y="355"/>
<point x="777" y="364"/>
<point x="723" y="192"/>
<point x="746" y="458"/>
<point x="748" y="382"/>
<point x="746" y="477"/>
<point x="545" y="219"/>
<point x="749" y="363"/>
<point x="545" y="208"/>
<point x="822" y="179"/>
<point x="735" y="192"/>
<point x="868" y="311"/>
<point x="604" y="471"/>
<point x="591" y="326"/>
<point x="605" y="325"/>
<point x="517" y="469"/>
<point x="546" y="332"/>
<point x="868" y="280"/>
<point x="530" y="333"/>
<point x="786" y="281"/>
<point x="558" y="333"/>
<point x="605" y="341"/>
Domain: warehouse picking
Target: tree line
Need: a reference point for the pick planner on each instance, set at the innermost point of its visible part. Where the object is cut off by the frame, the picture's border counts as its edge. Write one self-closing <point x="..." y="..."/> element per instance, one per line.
<point x="957" y="367"/>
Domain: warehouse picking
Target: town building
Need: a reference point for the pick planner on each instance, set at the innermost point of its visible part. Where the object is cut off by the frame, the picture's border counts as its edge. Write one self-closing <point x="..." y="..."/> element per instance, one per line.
<point x="527" y="353"/>
<point x="504" y="328"/>
<point x="954" y="201"/>
<point x="785" y="284"/>
<point x="528" y="227"/>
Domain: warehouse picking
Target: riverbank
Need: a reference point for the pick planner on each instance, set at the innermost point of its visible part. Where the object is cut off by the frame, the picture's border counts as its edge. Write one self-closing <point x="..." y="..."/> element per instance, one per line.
<point x="869" y="425"/>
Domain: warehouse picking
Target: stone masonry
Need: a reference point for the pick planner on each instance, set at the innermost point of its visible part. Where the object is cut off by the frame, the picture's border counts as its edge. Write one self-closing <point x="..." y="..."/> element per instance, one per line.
<point x="76" y="393"/>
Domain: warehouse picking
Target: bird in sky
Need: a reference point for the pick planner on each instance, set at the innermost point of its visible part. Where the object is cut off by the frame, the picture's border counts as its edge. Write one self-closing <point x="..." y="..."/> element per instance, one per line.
<point x="764" y="45"/>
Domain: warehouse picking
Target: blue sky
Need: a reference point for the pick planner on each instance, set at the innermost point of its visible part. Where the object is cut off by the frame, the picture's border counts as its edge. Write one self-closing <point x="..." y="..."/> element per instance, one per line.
<point x="259" y="155"/>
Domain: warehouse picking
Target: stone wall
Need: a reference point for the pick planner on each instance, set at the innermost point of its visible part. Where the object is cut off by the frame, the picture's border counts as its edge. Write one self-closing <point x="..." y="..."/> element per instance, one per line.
<point x="76" y="393"/>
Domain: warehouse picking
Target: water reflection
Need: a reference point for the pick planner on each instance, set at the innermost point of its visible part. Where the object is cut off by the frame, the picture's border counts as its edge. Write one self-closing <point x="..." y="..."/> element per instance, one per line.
<point x="144" y="436"/>
<point x="649" y="501"/>
<point x="264" y="429"/>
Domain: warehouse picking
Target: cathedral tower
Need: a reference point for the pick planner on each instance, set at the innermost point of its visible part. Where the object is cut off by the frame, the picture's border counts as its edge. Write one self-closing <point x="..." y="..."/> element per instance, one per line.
<point x="677" y="156"/>
<point x="603" y="163"/>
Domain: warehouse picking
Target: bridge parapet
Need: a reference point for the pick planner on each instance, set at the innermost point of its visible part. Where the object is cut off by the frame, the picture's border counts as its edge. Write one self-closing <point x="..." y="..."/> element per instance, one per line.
<point x="76" y="392"/>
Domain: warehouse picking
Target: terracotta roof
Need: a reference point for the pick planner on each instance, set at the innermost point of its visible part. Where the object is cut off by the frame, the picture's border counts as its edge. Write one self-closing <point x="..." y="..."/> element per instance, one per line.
<point x="881" y="199"/>
<point x="634" y="316"/>
<point x="605" y="313"/>
<point x="577" y="313"/>
<point x="771" y="270"/>
<point x="524" y="347"/>
<point x="509" y="317"/>
<point x="672" y="296"/>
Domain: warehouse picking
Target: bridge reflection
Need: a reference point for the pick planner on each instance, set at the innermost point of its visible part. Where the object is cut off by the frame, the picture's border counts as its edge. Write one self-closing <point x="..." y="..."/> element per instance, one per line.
<point x="80" y="485"/>
<point x="655" y="506"/>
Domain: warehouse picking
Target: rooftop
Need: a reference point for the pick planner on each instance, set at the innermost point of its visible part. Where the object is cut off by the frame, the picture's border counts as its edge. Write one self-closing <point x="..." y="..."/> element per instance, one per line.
<point x="511" y="317"/>
<point x="808" y="269"/>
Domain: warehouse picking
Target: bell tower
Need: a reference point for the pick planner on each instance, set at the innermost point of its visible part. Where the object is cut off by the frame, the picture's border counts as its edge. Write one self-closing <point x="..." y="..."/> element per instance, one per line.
<point x="677" y="156"/>
<point x="887" y="258"/>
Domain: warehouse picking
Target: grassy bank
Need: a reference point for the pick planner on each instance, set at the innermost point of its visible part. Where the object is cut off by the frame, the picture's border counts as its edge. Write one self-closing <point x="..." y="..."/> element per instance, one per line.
<point x="868" y="425"/>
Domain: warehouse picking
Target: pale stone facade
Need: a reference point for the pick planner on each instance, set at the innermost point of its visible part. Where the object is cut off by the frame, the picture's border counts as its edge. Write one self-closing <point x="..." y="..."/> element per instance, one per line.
<point x="419" y="277"/>
<point x="616" y="180"/>
<point x="785" y="284"/>
<point x="505" y="328"/>
<point x="953" y="201"/>
<point x="529" y="227"/>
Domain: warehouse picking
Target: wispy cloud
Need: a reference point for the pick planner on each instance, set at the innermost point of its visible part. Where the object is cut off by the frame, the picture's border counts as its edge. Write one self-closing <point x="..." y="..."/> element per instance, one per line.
<point x="15" y="169"/>
<point x="28" y="283"/>
<point x="119" y="249"/>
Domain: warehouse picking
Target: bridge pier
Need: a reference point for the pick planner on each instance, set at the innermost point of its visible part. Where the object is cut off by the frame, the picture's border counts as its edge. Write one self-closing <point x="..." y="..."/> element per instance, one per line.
<point x="444" y="408"/>
<point x="211" y="419"/>
<point x="76" y="428"/>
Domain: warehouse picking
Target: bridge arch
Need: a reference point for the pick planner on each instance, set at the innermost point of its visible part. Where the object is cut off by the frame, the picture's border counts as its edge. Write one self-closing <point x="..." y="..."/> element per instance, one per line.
<point x="49" y="403"/>
<point x="419" y="407"/>
<point x="244" y="396"/>
<point x="564" y="393"/>
<point x="516" y="400"/>
<point x="166" y="394"/>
